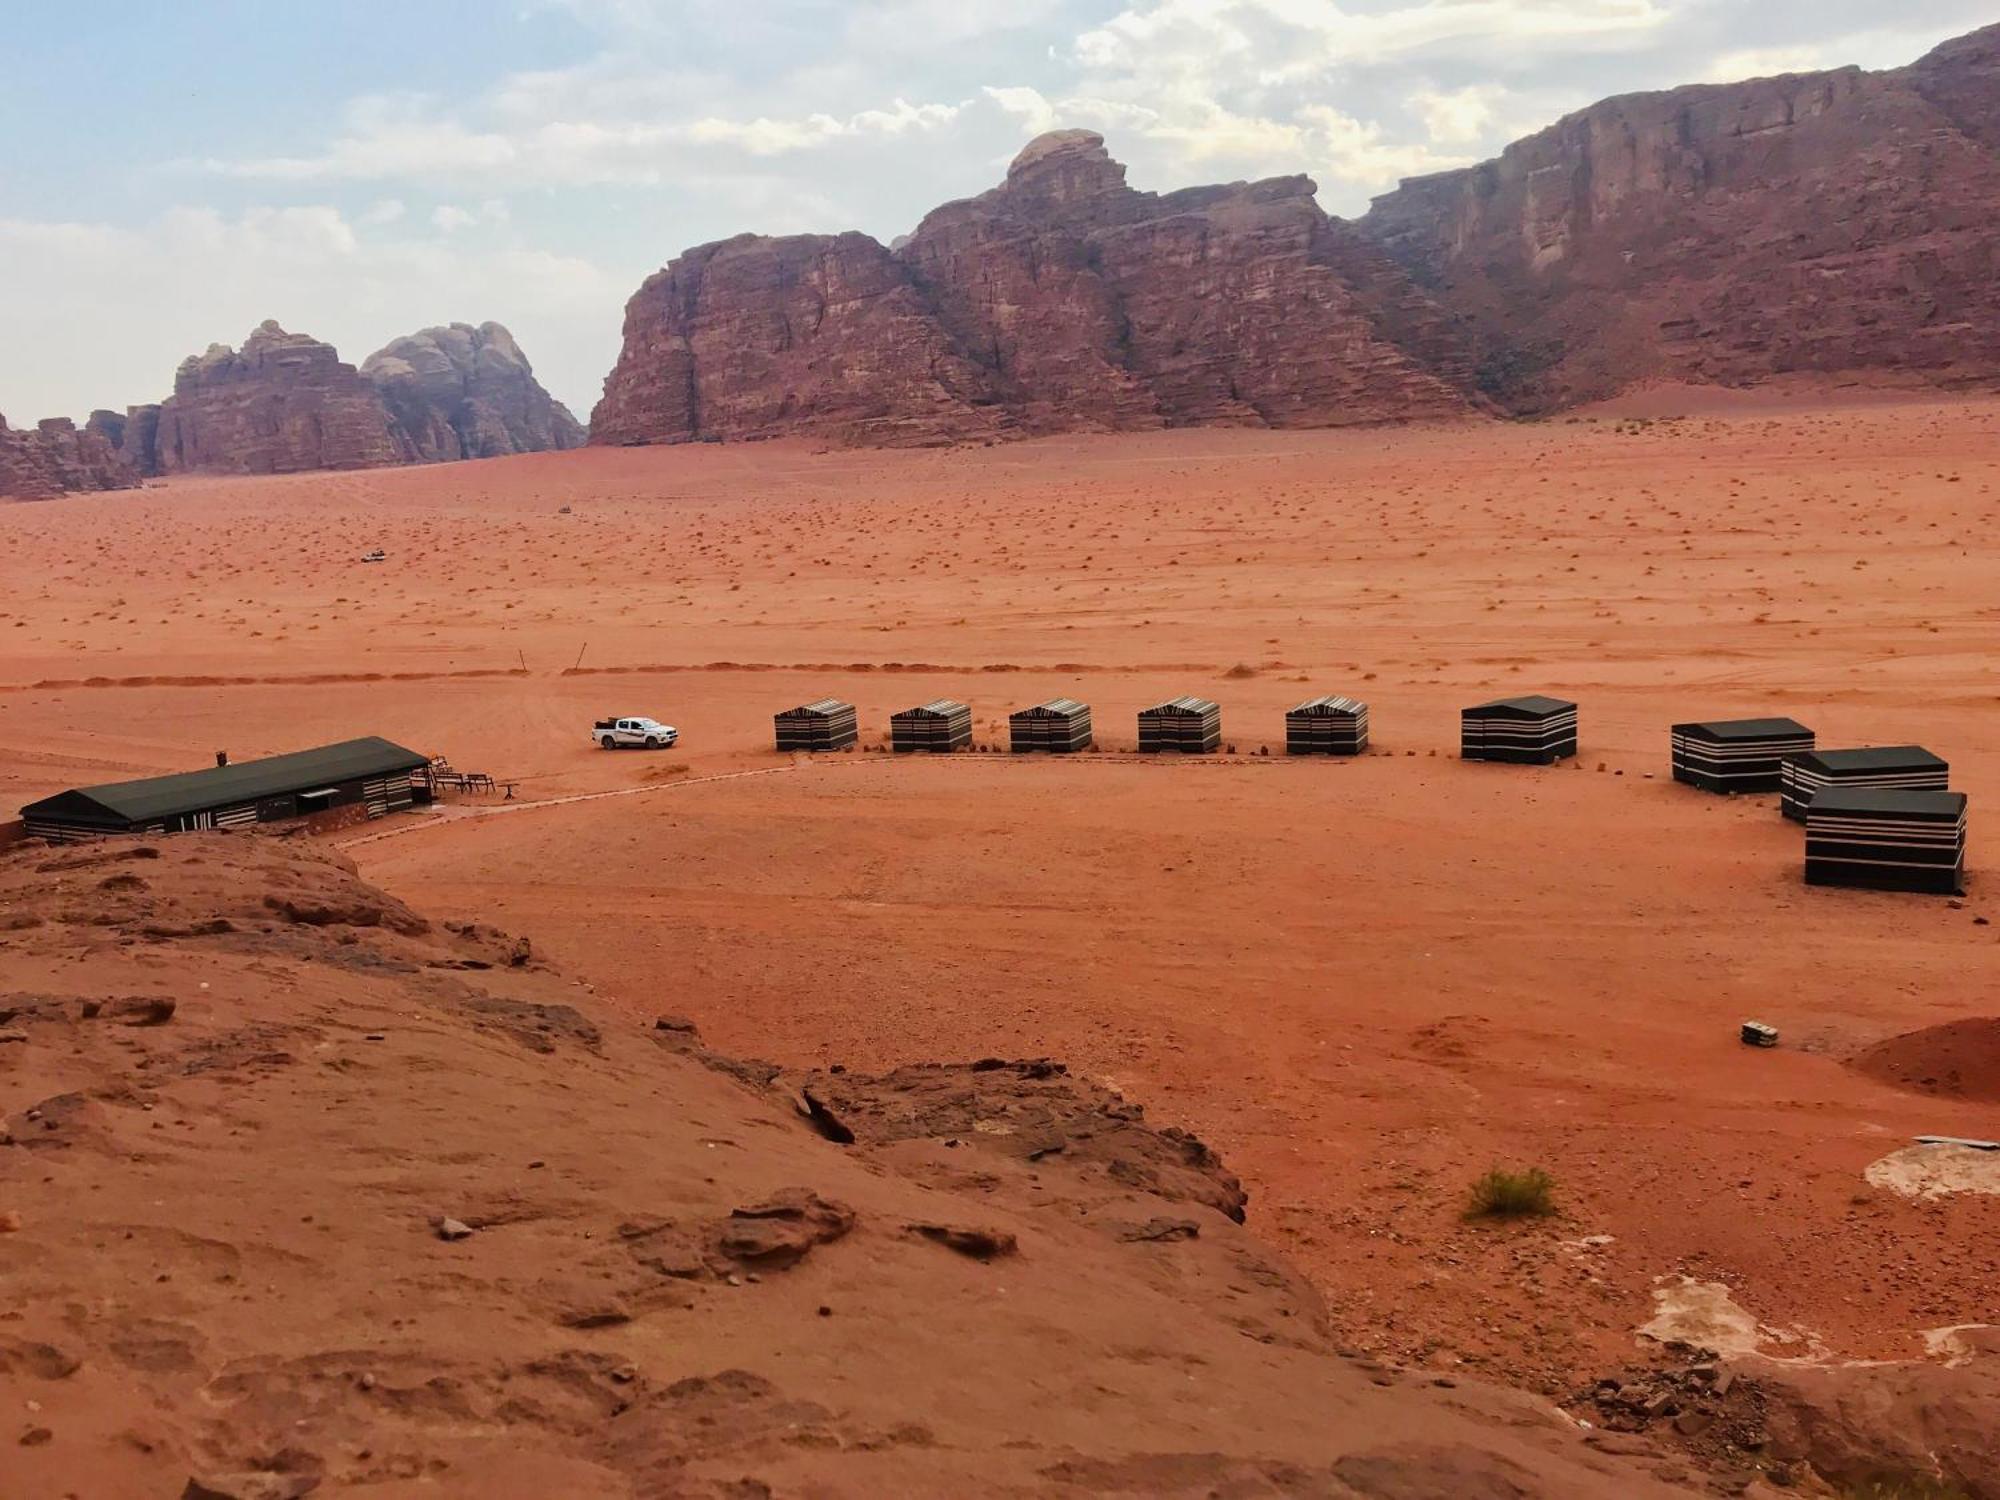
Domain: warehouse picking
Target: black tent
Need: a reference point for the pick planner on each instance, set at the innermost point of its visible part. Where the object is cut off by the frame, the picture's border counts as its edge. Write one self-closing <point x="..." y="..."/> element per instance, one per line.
<point x="1193" y="725"/>
<point x="1886" y="840"/>
<point x="1532" y="730"/>
<point x="1327" y="725"/>
<point x="371" y="771"/>
<point x="1736" y="755"/>
<point x="942" y="724"/>
<point x="827" y="724"/>
<point x="1890" y="768"/>
<point x="1061" y="725"/>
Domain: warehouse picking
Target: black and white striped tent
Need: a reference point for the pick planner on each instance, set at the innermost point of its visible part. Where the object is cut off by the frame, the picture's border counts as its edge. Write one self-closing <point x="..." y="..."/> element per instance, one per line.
<point x="827" y="724"/>
<point x="1327" y="725"/>
<point x="1061" y="725"/>
<point x="1736" y="755"/>
<point x="1533" y="730"/>
<point x="1886" y="840"/>
<point x="942" y="724"/>
<point x="1189" y="724"/>
<point x="370" y="772"/>
<point x="1891" y="768"/>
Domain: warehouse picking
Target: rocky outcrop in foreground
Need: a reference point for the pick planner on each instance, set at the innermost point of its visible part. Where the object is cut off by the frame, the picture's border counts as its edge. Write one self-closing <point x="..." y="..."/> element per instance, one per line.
<point x="54" y="458"/>
<point x="1838" y="226"/>
<point x="1063" y="300"/>
<point x="464" y="392"/>
<point x="322" y="1196"/>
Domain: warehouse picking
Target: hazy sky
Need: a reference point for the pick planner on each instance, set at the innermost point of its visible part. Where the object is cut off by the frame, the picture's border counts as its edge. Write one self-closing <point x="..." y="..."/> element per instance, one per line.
<point x="174" y="173"/>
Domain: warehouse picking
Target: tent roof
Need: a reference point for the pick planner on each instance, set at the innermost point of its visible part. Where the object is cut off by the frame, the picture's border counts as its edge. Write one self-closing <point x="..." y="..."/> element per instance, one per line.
<point x="942" y="708"/>
<point x="1533" y="706"/>
<point x="1330" y="703"/>
<point x="1743" y="729"/>
<point x="818" y="709"/>
<point x="1056" y="707"/>
<point x="156" y="797"/>
<point x="1923" y="805"/>
<point x="1879" y="758"/>
<point x="1187" y="704"/>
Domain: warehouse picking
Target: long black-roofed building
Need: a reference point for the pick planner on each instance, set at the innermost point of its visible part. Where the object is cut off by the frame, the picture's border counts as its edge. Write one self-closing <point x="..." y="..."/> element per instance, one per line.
<point x="1886" y="840"/>
<point x="1889" y="768"/>
<point x="942" y="724"/>
<point x="1192" y="725"/>
<point x="1737" y="755"/>
<point x="1061" y="725"/>
<point x="1532" y="730"/>
<point x="1327" y="725"/>
<point x="827" y="724"/>
<point x="372" y="773"/>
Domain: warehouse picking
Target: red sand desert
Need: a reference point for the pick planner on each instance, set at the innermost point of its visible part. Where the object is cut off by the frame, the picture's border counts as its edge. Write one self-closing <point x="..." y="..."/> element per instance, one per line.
<point x="1362" y="982"/>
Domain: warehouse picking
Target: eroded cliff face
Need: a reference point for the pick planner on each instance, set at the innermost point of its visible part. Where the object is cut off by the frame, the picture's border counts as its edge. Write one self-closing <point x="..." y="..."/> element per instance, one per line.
<point x="1833" y="225"/>
<point x="463" y="392"/>
<point x="283" y="403"/>
<point x="1063" y="300"/>
<point x="54" y="458"/>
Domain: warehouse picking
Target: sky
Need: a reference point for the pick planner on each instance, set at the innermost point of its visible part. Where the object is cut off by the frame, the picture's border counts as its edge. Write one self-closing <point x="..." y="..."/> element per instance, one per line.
<point x="174" y="174"/>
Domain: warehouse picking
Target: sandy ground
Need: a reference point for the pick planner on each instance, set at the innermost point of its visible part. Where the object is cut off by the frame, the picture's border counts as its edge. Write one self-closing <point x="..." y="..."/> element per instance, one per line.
<point x="1365" y="982"/>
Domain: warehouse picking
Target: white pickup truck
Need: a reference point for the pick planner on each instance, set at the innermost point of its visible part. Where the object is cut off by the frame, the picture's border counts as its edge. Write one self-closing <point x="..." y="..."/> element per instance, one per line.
<point x="648" y="734"/>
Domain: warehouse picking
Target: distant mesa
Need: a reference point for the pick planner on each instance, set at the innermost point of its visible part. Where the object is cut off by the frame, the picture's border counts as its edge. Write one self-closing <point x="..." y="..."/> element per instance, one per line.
<point x="464" y="392"/>
<point x="1832" y="227"/>
<point x="286" y="403"/>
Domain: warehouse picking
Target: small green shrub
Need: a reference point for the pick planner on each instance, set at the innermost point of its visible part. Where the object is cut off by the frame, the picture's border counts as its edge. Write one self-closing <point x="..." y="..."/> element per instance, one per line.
<point x="1501" y="1194"/>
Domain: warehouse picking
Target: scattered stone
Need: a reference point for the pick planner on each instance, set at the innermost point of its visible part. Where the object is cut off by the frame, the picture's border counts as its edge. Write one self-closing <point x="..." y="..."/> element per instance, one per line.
<point x="35" y="1437"/>
<point x="979" y="1244"/>
<point x="141" y="1010"/>
<point x="779" y="1232"/>
<point x="453" y="1229"/>
<point x="261" y="1484"/>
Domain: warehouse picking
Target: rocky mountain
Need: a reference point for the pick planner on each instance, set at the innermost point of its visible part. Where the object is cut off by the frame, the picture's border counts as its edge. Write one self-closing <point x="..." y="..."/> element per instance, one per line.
<point x="373" y="1204"/>
<point x="283" y="403"/>
<point x="462" y="392"/>
<point x="1834" y="225"/>
<point x="54" y="458"/>
<point x="1062" y="300"/>
<point x="286" y="402"/>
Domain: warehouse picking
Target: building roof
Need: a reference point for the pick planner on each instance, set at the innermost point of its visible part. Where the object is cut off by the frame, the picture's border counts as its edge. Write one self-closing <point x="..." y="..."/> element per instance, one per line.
<point x="124" y="803"/>
<point x="1330" y="703"/>
<point x="1533" y="706"/>
<point x="1879" y="758"/>
<point x="1923" y="806"/>
<point x="1056" y="708"/>
<point x="818" y="709"/>
<point x="1183" y="705"/>
<point x="1743" y="729"/>
<point x="940" y="708"/>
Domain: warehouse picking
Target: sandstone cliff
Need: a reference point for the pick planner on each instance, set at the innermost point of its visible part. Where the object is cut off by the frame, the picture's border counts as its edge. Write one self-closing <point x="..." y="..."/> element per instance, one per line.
<point x="283" y="403"/>
<point x="1833" y="225"/>
<point x="463" y="392"/>
<point x="1063" y="300"/>
<point x="54" y="458"/>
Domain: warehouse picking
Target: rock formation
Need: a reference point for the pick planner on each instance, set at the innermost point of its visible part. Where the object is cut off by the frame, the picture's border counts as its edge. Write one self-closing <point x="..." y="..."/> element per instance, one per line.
<point x="54" y="458"/>
<point x="395" y="1207"/>
<point x="464" y="392"/>
<point x="1063" y="300"/>
<point x="283" y="403"/>
<point x="1836" y="224"/>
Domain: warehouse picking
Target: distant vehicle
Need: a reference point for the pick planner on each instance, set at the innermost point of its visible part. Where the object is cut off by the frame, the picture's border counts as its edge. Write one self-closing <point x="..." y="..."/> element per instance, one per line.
<point x="641" y="734"/>
<point x="378" y="555"/>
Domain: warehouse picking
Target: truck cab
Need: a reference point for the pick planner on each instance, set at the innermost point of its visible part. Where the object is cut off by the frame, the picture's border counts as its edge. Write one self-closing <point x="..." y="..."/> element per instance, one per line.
<point x="633" y="731"/>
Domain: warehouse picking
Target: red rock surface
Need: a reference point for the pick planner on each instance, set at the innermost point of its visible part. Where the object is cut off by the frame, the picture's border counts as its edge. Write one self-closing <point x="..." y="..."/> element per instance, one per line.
<point x="377" y="1206"/>
<point x="1836" y="224"/>
<point x="54" y="458"/>
<point x="283" y="403"/>
<point x="463" y="392"/>
<point x="1063" y="300"/>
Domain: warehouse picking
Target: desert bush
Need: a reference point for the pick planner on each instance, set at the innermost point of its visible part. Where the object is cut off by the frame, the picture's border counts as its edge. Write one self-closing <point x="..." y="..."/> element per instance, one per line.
<point x="1501" y="1194"/>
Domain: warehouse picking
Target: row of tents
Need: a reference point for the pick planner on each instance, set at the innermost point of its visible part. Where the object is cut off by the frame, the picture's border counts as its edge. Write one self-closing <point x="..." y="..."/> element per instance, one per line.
<point x="1880" y="817"/>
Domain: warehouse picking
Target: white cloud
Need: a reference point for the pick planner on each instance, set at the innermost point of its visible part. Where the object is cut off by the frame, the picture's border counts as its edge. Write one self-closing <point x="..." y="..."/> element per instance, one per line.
<point x="1460" y="116"/>
<point x="192" y="276"/>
